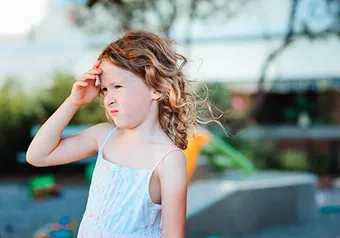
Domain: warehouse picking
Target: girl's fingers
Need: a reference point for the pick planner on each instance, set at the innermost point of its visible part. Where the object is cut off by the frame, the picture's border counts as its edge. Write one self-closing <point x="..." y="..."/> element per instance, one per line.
<point x="91" y="74"/>
<point x="96" y="65"/>
<point x="88" y="76"/>
<point x="94" y="71"/>
<point x="81" y="84"/>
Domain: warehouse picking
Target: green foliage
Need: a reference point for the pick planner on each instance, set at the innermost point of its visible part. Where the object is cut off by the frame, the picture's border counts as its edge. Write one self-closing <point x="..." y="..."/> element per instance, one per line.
<point x="20" y="111"/>
<point x="14" y="103"/>
<point x="52" y="97"/>
<point x="304" y="105"/>
<point x="17" y="115"/>
<point x="265" y="155"/>
<point x="319" y="164"/>
<point x="217" y="96"/>
<point x="295" y="160"/>
<point x="303" y="161"/>
<point x="261" y="152"/>
<point x="301" y="105"/>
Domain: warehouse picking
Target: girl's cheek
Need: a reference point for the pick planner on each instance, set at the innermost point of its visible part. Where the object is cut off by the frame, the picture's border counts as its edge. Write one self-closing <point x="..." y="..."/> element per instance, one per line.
<point x="105" y="101"/>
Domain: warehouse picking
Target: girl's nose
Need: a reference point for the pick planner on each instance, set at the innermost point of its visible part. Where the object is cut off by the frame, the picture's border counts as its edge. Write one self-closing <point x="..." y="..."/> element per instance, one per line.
<point x="110" y="100"/>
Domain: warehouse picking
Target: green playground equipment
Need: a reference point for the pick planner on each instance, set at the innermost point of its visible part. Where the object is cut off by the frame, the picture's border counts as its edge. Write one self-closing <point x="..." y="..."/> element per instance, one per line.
<point x="88" y="172"/>
<point x="221" y="155"/>
<point x="43" y="186"/>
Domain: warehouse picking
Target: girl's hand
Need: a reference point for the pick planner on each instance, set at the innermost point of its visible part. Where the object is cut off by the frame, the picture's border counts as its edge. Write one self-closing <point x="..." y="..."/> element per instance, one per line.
<point x="84" y="90"/>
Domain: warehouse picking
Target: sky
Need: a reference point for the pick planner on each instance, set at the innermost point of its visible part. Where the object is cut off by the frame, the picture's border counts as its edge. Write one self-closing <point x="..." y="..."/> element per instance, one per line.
<point x="16" y="20"/>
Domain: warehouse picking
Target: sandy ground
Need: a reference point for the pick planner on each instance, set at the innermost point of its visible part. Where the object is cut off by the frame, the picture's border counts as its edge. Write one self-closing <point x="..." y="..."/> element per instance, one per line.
<point x="20" y="216"/>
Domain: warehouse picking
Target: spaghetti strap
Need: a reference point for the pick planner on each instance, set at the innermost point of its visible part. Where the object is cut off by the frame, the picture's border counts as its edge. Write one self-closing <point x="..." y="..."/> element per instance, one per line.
<point x="154" y="167"/>
<point x="106" y="139"/>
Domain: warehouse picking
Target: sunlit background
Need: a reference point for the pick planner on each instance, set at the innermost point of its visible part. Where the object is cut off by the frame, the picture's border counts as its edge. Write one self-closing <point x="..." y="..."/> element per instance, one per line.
<point x="270" y="66"/>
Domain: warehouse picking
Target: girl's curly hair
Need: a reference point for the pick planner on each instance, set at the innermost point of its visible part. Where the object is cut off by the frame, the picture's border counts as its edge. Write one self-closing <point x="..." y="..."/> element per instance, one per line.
<point x="152" y="58"/>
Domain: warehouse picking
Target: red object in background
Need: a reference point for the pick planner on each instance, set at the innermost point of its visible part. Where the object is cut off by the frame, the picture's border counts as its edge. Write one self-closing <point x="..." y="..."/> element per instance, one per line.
<point x="238" y="102"/>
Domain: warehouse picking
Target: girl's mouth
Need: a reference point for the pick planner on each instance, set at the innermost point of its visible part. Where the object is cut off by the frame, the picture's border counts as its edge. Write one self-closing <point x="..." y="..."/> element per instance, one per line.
<point x="113" y="112"/>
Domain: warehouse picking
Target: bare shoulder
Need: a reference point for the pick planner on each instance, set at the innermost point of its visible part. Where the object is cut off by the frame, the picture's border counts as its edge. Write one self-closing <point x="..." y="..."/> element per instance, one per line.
<point x="175" y="159"/>
<point x="173" y="177"/>
<point x="99" y="131"/>
<point x="173" y="168"/>
<point x="103" y="127"/>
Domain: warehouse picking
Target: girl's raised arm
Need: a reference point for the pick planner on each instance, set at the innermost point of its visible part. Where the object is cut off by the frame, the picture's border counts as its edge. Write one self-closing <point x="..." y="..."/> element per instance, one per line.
<point x="47" y="147"/>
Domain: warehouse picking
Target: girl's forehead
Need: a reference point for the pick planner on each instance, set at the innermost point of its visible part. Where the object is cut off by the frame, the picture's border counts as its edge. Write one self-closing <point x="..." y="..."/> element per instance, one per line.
<point x="109" y="68"/>
<point x="112" y="73"/>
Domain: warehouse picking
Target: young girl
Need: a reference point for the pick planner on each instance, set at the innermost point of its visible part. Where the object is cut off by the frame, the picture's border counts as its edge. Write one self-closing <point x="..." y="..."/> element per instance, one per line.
<point x="140" y="177"/>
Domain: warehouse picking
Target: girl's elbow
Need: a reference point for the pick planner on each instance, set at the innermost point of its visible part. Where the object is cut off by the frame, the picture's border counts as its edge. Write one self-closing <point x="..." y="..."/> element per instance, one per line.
<point x="34" y="160"/>
<point x="173" y="232"/>
<point x="173" y="235"/>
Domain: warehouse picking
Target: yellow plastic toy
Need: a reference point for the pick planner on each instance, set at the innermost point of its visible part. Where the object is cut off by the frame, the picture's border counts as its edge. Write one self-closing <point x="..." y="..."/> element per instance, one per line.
<point x="203" y="141"/>
<point x="196" y="141"/>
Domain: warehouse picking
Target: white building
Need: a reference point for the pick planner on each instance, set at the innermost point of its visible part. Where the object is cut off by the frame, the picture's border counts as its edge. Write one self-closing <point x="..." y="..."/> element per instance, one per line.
<point x="55" y="43"/>
<point x="233" y="52"/>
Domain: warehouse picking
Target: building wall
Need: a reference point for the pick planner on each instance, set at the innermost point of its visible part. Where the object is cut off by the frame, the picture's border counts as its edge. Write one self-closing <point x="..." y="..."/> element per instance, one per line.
<point x="335" y="113"/>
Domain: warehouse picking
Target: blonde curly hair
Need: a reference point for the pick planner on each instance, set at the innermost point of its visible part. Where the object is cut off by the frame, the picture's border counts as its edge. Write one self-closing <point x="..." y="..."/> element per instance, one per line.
<point x="152" y="58"/>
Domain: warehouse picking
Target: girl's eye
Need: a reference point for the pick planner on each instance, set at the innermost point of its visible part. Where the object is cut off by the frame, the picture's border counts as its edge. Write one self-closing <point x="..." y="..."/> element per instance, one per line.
<point x="103" y="90"/>
<point x="117" y="86"/>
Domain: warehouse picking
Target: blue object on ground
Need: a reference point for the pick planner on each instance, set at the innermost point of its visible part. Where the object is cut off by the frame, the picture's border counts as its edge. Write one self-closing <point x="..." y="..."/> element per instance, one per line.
<point x="330" y="209"/>
<point x="64" y="220"/>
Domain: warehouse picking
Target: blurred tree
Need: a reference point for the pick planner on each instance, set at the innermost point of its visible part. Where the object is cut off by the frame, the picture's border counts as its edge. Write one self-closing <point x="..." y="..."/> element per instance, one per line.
<point x="20" y="111"/>
<point x="311" y="19"/>
<point x="52" y="97"/>
<point x="17" y="115"/>
<point x="221" y="108"/>
<point x="160" y="15"/>
<point x="307" y="18"/>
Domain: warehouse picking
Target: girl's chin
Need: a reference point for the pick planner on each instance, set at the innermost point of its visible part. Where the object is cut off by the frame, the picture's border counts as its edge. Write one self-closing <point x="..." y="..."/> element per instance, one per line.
<point x="124" y="125"/>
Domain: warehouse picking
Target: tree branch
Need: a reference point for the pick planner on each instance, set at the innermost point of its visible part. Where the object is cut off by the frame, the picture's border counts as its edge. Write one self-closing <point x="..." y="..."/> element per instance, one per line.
<point x="288" y="39"/>
<point x="172" y="17"/>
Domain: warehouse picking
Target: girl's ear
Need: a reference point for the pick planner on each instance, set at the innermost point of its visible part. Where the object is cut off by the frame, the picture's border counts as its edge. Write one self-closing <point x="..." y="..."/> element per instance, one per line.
<point x="155" y="95"/>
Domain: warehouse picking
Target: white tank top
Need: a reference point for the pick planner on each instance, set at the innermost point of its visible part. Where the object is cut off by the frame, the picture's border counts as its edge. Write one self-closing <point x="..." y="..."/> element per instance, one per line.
<point x="119" y="204"/>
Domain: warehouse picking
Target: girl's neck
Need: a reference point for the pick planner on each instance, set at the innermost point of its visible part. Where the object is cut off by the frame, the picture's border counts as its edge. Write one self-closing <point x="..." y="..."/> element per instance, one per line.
<point x="144" y="132"/>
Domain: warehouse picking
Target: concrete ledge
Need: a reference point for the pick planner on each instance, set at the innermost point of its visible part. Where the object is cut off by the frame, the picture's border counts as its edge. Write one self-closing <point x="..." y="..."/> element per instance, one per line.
<point x="233" y="205"/>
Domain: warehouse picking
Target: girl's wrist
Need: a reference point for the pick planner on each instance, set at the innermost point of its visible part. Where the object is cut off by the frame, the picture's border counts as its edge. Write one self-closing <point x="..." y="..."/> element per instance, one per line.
<point x="72" y="104"/>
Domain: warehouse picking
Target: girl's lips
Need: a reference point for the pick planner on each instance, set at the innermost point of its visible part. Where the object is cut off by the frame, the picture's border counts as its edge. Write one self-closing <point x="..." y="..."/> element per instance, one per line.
<point x="113" y="111"/>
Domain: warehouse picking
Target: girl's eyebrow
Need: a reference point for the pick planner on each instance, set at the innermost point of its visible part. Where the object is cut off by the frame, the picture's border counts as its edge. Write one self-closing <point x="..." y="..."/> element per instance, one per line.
<point x="113" y="83"/>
